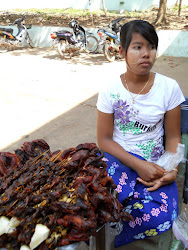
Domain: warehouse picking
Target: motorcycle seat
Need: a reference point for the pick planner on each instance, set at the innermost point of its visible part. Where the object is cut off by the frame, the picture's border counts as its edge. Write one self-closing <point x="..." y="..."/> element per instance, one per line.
<point x="109" y="30"/>
<point x="63" y="31"/>
<point x="9" y="30"/>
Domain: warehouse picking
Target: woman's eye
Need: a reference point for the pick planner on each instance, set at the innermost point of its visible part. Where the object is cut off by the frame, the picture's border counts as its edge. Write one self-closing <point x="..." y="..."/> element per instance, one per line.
<point x="137" y="47"/>
<point x="152" y="47"/>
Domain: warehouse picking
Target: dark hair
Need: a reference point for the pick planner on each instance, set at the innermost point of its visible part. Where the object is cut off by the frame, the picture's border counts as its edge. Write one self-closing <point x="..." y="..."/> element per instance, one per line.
<point x="144" y="28"/>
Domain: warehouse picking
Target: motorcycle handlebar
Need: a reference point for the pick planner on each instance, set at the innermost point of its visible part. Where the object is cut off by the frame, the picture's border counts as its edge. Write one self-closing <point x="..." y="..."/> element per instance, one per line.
<point x="117" y="20"/>
<point x="114" y="24"/>
<point x="18" y="21"/>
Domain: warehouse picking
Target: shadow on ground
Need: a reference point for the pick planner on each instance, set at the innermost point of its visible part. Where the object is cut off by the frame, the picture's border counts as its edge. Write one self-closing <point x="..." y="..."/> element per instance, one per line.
<point x="68" y="130"/>
<point x="83" y="58"/>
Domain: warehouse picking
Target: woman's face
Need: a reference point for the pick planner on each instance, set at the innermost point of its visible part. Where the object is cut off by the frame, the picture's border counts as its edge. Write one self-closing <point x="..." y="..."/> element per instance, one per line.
<point x="140" y="56"/>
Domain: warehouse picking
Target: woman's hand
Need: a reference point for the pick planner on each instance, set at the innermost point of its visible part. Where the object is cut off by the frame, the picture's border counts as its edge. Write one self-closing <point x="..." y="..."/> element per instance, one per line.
<point x="155" y="184"/>
<point x="149" y="171"/>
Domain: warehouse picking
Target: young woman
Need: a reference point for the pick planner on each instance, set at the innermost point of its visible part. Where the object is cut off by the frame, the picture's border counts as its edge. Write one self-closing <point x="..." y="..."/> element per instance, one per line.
<point x="133" y="113"/>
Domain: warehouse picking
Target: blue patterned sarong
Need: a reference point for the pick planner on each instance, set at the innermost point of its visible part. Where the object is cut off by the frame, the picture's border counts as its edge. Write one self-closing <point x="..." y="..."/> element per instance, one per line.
<point x="153" y="212"/>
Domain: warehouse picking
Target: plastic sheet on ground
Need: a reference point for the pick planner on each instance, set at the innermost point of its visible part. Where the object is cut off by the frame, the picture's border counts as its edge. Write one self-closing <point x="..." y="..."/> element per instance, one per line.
<point x="180" y="229"/>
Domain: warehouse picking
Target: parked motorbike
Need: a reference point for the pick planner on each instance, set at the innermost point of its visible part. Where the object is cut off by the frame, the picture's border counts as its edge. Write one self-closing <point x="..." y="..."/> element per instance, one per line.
<point x="9" y="41"/>
<point x="68" y="42"/>
<point x="110" y="39"/>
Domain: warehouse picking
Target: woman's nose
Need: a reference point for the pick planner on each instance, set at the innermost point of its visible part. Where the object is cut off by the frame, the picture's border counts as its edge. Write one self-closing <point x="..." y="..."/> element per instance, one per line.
<point x="145" y="52"/>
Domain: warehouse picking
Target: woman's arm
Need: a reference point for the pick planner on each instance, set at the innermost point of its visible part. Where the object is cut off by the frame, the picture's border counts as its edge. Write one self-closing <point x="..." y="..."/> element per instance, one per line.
<point x="105" y="127"/>
<point x="172" y="125"/>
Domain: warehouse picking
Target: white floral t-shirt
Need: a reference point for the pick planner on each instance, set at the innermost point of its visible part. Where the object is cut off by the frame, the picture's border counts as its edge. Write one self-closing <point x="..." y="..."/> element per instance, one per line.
<point x="138" y="127"/>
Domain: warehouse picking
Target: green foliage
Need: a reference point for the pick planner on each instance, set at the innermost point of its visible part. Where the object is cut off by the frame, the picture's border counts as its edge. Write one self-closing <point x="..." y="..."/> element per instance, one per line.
<point x="78" y="12"/>
<point x="176" y="7"/>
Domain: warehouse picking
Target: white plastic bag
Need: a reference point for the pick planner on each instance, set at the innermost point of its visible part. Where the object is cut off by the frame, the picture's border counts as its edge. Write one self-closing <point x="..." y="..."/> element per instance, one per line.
<point x="180" y="229"/>
<point x="171" y="160"/>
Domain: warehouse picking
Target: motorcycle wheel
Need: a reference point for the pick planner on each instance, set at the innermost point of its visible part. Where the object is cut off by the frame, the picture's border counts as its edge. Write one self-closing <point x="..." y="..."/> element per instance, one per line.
<point x="62" y="44"/>
<point x="6" y="45"/>
<point x="29" y="41"/>
<point x="108" y="53"/>
<point x="91" y="43"/>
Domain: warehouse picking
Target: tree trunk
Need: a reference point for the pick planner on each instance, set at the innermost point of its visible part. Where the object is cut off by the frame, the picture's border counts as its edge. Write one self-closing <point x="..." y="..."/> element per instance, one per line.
<point x="91" y="12"/>
<point x="104" y="8"/>
<point x="161" y="15"/>
<point x="179" y="10"/>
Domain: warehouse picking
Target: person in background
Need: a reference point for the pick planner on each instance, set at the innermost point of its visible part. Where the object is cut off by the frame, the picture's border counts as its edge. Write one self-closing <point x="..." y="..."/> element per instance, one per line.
<point x="136" y="111"/>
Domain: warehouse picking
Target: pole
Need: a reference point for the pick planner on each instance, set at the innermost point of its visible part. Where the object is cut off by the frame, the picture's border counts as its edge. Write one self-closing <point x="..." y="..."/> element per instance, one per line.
<point x="91" y="12"/>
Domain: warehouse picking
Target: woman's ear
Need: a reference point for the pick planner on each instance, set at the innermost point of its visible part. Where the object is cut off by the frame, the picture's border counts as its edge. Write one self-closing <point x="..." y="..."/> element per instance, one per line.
<point x="121" y="52"/>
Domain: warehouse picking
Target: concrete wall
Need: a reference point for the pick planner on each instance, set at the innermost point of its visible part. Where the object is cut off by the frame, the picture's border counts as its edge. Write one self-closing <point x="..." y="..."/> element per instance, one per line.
<point x="133" y="5"/>
<point x="171" y="42"/>
<point x="171" y="2"/>
<point x="130" y="5"/>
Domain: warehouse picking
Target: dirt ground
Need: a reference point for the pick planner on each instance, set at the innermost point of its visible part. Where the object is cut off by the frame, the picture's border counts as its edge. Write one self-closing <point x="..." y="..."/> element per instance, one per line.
<point x="175" y="22"/>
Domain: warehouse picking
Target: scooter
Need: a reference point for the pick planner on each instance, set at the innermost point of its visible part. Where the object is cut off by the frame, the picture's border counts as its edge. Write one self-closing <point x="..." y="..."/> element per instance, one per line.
<point x="110" y="39"/>
<point x="9" y="41"/>
<point x="68" y="42"/>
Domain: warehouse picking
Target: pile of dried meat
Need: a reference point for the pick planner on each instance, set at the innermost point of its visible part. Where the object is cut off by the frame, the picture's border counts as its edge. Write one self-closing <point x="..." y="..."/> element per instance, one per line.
<point x="50" y="199"/>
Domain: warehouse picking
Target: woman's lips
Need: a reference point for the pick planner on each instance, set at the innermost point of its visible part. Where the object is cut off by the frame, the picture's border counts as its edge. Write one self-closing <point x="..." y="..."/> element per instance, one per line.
<point x="146" y="63"/>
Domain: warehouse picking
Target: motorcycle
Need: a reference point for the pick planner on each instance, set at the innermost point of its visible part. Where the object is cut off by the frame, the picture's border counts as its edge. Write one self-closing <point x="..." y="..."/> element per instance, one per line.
<point x="110" y="39"/>
<point x="68" y="42"/>
<point x="9" y="41"/>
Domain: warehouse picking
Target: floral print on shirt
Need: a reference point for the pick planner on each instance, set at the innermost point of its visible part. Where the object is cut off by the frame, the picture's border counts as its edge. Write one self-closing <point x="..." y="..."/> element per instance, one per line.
<point x="151" y="150"/>
<point x="123" y="115"/>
